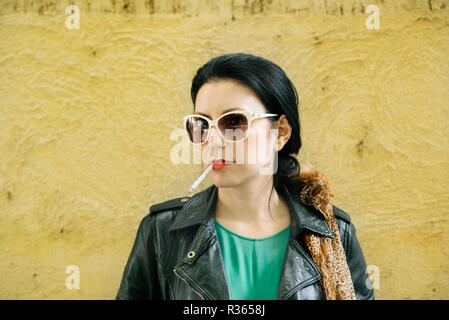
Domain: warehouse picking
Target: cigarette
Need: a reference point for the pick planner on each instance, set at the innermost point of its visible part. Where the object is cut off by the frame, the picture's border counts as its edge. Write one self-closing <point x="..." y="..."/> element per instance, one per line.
<point x="201" y="178"/>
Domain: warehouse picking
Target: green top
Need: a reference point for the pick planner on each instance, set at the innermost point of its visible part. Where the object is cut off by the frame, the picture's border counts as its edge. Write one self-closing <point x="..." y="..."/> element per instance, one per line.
<point x="253" y="265"/>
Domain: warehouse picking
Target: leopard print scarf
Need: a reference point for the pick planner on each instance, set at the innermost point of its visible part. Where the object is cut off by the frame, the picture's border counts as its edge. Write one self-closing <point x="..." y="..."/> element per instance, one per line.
<point x="328" y="254"/>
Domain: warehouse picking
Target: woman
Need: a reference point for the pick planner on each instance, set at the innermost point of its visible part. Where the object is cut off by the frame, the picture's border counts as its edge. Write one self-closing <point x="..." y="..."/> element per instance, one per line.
<point x="265" y="229"/>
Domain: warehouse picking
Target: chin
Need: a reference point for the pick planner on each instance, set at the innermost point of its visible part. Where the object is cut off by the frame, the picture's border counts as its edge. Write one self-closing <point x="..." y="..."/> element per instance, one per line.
<point x="222" y="181"/>
<point x="225" y="179"/>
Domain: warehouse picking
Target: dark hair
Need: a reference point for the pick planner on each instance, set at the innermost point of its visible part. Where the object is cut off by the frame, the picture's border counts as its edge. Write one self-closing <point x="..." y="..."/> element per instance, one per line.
<point x="275" y="91"/>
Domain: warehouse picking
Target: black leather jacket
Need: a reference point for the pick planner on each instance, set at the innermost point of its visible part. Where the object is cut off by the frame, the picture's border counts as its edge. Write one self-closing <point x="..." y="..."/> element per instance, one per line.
<point x="176" y="253"/>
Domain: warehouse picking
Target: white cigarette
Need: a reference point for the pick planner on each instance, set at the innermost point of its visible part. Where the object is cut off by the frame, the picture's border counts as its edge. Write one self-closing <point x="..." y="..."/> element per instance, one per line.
<point x="201" y="178"/>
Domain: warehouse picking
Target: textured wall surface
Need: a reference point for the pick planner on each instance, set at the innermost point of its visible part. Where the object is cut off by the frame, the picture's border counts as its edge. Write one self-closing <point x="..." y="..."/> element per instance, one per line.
<point x="86" y="117"/>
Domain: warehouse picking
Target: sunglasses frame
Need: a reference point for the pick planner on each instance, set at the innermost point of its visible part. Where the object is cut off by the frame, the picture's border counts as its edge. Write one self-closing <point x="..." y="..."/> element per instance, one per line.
<point x="251" y="116"/>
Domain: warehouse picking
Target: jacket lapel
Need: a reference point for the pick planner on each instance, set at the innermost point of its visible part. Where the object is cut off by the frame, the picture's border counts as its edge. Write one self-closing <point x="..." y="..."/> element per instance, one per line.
<point x="299" y="269"/>
<point x="202" y="265"/>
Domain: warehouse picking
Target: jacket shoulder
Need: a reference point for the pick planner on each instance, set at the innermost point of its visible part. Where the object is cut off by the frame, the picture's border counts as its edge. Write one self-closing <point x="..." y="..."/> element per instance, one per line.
<point x="172" y="204"/>
<point x="339" y="213"/>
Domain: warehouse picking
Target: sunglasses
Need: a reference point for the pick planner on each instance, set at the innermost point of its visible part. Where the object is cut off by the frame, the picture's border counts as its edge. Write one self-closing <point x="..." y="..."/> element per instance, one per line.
<point x="232" y="126"/>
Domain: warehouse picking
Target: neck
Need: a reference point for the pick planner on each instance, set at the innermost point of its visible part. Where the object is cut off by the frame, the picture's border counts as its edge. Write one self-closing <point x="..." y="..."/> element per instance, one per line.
<point x="248" y="202"/>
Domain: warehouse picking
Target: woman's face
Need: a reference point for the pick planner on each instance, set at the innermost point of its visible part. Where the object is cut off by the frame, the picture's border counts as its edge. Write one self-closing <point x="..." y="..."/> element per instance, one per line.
<point x="251" y="157"/>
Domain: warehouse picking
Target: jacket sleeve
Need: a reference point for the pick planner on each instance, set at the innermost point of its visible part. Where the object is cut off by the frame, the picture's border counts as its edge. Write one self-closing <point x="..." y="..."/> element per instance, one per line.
<point x="140" y="279"/>
<point x="357" y="266"/>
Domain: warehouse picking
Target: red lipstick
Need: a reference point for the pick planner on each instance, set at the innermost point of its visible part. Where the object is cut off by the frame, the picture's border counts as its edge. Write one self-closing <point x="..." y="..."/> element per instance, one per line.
<point x="218" y="164"/>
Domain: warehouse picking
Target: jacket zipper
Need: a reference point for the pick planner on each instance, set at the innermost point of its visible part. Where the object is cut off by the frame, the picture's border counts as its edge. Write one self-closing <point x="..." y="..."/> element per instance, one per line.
<point x="179" y="276"/>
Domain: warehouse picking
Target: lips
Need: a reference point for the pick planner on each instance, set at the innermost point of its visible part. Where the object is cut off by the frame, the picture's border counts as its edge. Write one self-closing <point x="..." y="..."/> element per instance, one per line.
<point x="220" y="163"/>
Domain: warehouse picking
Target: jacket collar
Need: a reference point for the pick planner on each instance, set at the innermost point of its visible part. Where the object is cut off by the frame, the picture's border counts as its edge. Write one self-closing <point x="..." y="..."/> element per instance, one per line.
<point x="200" y="209"/>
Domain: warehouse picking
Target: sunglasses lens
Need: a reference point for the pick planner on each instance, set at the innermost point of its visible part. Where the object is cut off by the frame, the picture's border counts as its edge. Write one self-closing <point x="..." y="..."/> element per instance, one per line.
<point x="234" y="126"/>
<point x="197" y="129"/>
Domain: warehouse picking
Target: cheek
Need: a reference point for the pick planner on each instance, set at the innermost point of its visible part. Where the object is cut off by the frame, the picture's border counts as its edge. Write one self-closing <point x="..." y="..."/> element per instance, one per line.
<point x="204" y="156"/>
<point x="260" y="148"/>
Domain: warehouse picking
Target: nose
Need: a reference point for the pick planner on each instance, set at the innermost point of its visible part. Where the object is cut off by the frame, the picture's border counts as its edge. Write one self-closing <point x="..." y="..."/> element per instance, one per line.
<point x="215" y="144"/>
<point x="215" y="138"/>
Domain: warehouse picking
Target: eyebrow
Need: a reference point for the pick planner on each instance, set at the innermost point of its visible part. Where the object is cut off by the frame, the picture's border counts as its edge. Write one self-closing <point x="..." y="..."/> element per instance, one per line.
<point x="227" y="110"/>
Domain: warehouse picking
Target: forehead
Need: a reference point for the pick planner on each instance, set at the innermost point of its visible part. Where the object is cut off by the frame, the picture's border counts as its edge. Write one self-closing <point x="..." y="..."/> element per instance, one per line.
<point x="216" y="98"/>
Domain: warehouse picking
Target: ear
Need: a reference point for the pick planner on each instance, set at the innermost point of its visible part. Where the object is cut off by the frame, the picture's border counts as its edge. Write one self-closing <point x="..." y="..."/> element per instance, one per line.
<point x="284" y="132"/>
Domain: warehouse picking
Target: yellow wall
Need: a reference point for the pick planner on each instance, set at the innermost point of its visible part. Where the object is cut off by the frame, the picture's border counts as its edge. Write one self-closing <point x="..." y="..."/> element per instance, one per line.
<point x="86" y="117"/>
